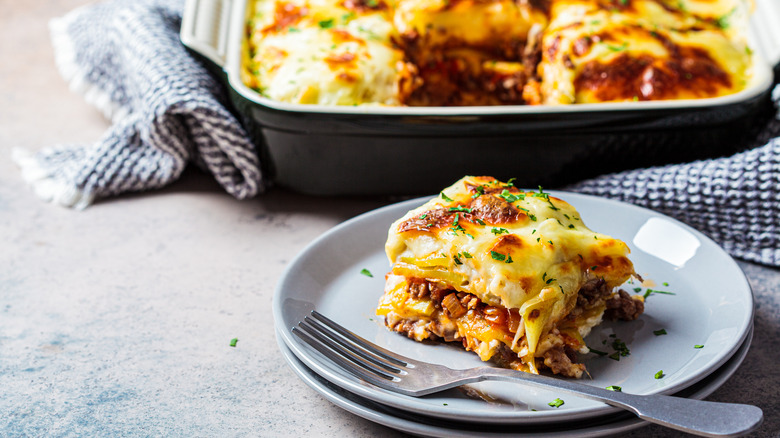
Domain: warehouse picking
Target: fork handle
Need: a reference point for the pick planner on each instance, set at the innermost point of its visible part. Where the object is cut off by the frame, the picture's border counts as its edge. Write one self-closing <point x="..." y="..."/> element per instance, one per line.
<point x="698" y="417"/>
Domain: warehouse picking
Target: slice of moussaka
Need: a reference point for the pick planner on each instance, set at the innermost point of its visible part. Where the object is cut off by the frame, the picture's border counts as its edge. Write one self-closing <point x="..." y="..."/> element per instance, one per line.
<point x="515" y="276"/>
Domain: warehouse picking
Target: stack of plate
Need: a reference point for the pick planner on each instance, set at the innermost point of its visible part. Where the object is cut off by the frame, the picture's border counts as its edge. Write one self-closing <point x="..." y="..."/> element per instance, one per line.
<point x="696" y="294"/>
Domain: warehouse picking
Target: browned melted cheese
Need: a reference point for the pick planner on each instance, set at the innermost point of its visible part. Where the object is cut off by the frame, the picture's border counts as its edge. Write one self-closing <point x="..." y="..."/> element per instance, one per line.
<point x="496" y="52"/>
<point x="632" y="50"/>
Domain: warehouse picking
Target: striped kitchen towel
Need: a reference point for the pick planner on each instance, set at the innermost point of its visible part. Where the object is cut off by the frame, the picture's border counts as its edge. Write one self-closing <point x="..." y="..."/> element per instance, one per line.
<point x="166" y="109"/>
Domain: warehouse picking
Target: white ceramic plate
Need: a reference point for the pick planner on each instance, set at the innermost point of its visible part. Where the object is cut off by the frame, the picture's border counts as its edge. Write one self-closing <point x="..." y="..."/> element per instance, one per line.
<point x="434" y="427"/>
<point x="712" y="306"/>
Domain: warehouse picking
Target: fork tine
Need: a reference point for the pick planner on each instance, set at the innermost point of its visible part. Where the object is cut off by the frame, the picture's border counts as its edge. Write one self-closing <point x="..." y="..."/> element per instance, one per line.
<point x="373" y="379"/>
<point x="366" y="345"/>
<point x="318" y="327"/>
<point x="343" y="357"/>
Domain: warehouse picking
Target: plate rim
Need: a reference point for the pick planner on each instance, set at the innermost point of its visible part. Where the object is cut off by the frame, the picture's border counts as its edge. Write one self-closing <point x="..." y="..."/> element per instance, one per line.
<point x="623" y="421"/>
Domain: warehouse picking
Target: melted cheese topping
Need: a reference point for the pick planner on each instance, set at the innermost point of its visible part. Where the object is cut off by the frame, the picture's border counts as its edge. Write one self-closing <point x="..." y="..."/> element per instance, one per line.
<point x="323" y="52"/>
<point x="495" y="52"/>
<point x="643" y="50"/>
<point x="447" y="23"/>
<point x="518" y="250"/>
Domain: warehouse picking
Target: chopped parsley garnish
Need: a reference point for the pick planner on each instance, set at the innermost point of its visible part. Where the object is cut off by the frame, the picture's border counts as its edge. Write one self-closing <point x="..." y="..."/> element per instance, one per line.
<point x="498" y="231"/>
<point x="366" y="272"/>
<point x="326" y="24"/>
<point x="549" y="280"/>
<point x="546" y="197"/>
<point x="571" y="226"/>
<point x="660" y="332"/>
<point x="457" y="227"/>
<point x="599" y="352"/>
<point x="621" y="350"/>
<point x="619" y="48"/>
<point x="479" y="192"/>
<point x="649" y="292"/>
<point x="456" y="260"/>
<point x="460" y="208"/>
<point x="501" y="257"/>
<point x="665" y="283"/>
<point x="659" y="374"/>
<point x="532" y="217"/>
<point x="614" y="388"/>
<point x="466" y="255"/>
<point x="723" y="21"/>
<point x="293" y="29"/>
<point x="233" y="342"/>
<point x="557" y="403"/>
<point x="511" y="197"/>
<point x="479" y="221"/>
<point x="445" y="197"/>
<point x="637" y="289"/>
<point x="511" y="182"/>
<point x="698" y="346"/>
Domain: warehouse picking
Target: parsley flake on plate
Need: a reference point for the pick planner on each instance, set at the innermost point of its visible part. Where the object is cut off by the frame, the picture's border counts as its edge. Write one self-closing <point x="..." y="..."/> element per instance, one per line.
<point x="557" y="403"/>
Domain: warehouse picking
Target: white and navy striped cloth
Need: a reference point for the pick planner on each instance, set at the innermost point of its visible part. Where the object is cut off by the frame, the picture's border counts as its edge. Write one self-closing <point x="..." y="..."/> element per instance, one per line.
<point x="125" y="57"/>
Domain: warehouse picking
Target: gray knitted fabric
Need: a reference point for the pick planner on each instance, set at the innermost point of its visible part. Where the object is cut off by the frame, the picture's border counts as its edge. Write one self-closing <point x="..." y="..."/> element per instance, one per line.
<point x="734" y="200"/>
<point x="167" y="110"/>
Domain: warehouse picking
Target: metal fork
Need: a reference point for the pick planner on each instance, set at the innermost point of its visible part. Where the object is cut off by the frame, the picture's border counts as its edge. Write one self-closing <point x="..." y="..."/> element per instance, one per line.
<point x="403" y="375"/>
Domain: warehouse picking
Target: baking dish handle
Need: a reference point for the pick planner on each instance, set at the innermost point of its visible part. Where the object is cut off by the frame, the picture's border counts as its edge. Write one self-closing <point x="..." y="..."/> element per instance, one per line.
<point x="204" y="28"/>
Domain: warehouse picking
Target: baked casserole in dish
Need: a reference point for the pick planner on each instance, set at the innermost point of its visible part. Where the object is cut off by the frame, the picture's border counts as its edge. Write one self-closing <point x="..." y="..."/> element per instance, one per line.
<point x="402" y="96"/>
